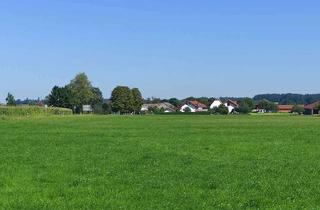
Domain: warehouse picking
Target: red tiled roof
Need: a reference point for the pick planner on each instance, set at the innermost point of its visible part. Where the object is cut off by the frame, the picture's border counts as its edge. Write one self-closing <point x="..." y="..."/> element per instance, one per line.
<point x="312" y="106"/>
<point x="285" y="107"/>
<point x="198" y="104"/>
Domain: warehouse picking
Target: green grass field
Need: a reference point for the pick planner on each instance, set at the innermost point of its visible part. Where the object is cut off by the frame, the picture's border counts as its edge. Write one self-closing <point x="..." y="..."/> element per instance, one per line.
<point x="160" y="162"/>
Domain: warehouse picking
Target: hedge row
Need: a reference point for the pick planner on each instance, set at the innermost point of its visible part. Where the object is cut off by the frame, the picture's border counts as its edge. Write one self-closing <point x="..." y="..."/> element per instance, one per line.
<point x="32" y="111"/>
<point x="185" y="113"/>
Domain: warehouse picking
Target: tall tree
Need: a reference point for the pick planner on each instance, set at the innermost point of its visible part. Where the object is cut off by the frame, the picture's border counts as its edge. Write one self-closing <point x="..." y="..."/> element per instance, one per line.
<point x="122" y="100"/>
<point x="60" y="97"/>
<point x="246" y="106"/>
<point x="137" y="100"/>
<point x="97" y="97"/>
<point x="81" y="91"/>
<point x="10" y="100"/>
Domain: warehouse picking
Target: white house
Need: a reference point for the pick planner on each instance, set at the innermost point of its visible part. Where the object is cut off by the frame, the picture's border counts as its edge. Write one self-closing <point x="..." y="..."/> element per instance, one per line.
<point x="194" y="106"/>
<point x="216" y="103"/>
<point x="185" y="106"/>
<point x="231" y="105"/>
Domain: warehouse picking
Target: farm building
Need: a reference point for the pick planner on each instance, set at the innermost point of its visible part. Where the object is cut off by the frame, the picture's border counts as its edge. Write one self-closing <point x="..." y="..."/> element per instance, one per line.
<point x="312" y="109"/>
<point x="194" y="106"/>
<point x="167" y="107"/>
<point x="285" y="108"/>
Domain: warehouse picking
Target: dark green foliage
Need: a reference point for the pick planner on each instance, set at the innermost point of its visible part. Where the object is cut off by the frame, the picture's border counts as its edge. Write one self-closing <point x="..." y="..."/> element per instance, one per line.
<point x="76" y="94"/>
<point x="289" y="98"/>
<point x="106" y="108"/>
<point x="122" y="100"/>
<point x="10" y="100"/>
<point x="243" y="109"/>
<point x="174" y="101"/>
<point x="155" y="110"/>
<point x="222" y="109"/>
<point x="267" y="105"/>
<point x="187" y="109"/>
<point x="246" y="106"/>
<point x="297" y="109"/>
<point x="60" y="97"/>
<point x="97" y="98"/>
<point x="137" y="100"/>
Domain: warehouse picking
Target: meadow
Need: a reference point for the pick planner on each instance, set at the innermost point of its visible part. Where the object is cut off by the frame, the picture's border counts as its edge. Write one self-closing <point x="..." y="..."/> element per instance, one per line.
<point x="160" y="162"/>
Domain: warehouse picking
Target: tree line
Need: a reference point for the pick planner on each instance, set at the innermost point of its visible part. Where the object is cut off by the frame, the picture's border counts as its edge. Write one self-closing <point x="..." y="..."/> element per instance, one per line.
<point x="289" y="98"/>
<point x="80" y="92"/>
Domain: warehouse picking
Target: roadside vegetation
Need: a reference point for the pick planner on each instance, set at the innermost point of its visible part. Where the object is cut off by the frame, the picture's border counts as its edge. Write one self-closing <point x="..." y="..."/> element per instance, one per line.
<point x="33" y="111"/>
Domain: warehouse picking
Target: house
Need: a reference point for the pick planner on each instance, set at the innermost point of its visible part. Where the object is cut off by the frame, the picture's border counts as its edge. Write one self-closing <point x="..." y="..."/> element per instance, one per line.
<point x="216" y="103"/>
<point x="167" y="107"/>
<point x="312" y="109"/>
<point x="230" y="104"/>
<point x="194" y="106"/>
<point x="285" y="108"/>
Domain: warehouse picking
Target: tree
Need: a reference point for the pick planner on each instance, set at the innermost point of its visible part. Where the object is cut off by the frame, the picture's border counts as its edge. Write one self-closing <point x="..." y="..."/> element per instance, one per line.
<point x="97" y="97"/>
<point x="268" y="106"/>
<point x="174" y="101"/>
<point x="243" y="108"/>
<point x="298" y="109"/>
<point x="81" y="91"/>
<point x="10" y="100"/>
<point x="246" y="106"/>
<point x="106" y="108"/>
<point x="122" y="100"/>
<point x="137" y="100"/>
<point x="249" y="102"/>
<point x="60" y="97"/>
<point x="222" y="109"/>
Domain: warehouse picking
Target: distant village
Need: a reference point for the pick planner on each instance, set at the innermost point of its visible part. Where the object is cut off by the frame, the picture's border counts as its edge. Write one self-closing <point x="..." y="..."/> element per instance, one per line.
<point x="232" y="107"/>
<point x="81" y="97"/>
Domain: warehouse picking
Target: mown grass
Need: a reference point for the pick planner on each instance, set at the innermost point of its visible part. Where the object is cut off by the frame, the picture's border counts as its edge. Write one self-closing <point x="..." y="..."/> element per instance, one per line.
<point x="160" y="162"/>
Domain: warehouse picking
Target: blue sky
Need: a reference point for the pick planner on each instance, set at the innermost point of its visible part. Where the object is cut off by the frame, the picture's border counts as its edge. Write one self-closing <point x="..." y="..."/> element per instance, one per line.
<point x="166" y="48"/>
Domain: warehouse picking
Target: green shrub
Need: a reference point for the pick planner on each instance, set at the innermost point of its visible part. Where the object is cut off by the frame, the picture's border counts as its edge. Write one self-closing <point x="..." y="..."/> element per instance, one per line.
<point x="33" y="111"/>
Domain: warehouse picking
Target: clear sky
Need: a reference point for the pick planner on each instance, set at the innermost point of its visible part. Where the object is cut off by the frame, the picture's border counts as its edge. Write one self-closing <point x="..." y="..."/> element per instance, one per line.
<point x="166" y="48"/>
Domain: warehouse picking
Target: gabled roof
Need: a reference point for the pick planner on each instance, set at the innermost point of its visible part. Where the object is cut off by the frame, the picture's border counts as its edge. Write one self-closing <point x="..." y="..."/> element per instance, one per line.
<point x="234" y="103"/>
<point x="197" y="104"/>
<point x="164" y="105"/>
<point x="312" y="106"/>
